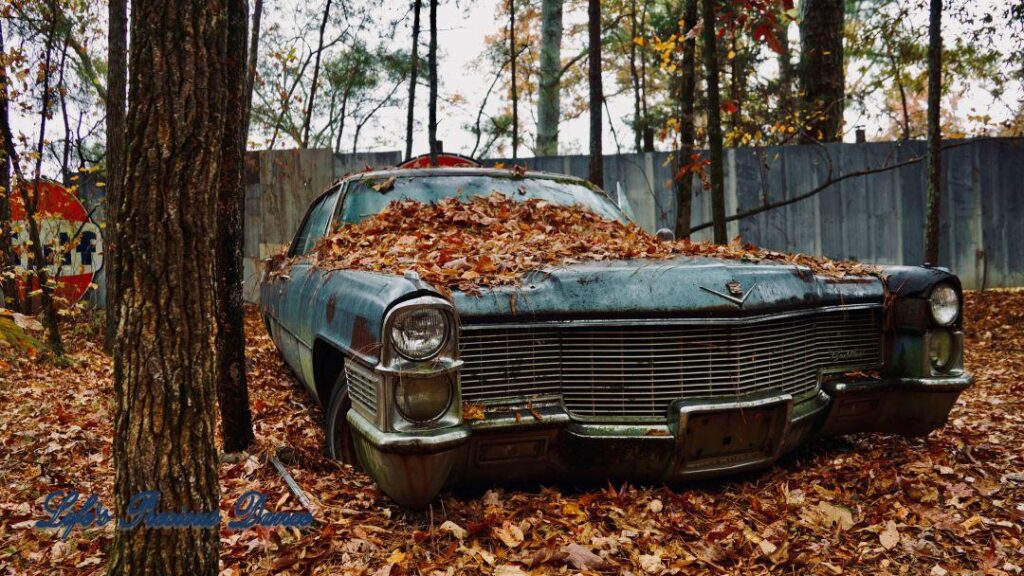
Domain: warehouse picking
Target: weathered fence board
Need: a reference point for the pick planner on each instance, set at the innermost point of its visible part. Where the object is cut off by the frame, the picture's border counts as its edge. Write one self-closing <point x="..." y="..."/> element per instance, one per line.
<point x="877" y="217"/>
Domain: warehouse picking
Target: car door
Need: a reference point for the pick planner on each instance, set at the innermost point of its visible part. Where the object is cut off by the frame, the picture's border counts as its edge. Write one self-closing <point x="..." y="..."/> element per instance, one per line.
<point x="295" y="307"/>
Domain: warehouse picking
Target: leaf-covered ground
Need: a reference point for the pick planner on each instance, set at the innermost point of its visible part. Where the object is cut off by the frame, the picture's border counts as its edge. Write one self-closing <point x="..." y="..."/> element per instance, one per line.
<point x="951" y="503"/>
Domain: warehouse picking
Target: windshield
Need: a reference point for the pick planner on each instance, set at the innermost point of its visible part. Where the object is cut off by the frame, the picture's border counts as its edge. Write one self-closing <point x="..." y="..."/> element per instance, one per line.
<point x="362" y="200"/>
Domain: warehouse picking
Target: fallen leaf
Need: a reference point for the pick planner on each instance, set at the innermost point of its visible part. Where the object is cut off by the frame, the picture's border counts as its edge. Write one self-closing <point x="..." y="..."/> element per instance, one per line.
<point x="889" y="537"/>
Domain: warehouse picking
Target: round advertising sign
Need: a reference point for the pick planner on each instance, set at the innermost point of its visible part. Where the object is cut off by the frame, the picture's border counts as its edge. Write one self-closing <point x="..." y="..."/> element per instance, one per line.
<point x="72" y="242"/>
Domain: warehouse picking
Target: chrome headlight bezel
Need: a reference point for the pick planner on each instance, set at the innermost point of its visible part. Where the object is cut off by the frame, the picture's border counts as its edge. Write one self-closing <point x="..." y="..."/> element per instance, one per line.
<point x="441" y="367"/>
<point x="944" y="304"/>
<point x="442" y="386"/>
<point x="396" y="332"/>
<point x="942" y="353"/>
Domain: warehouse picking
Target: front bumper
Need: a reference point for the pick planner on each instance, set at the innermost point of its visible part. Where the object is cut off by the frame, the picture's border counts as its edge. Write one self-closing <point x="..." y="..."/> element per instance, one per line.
<point x="716" y="438"/>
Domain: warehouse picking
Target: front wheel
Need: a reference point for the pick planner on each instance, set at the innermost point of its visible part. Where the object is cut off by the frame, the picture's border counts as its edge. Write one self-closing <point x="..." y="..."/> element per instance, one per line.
<point x="339" y="433"/>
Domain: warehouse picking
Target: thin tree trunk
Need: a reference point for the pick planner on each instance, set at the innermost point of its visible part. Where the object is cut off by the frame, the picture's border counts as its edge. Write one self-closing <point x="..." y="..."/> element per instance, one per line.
<point x="39" y="264"/>
<point x="117" y="69"/>
<point x="648" y="130"/>
<point x="308" y="120"/>
<point x="232" y="387"/>
<point x="65" y="157"/>
<point x="932" y="220"/>
<point x="898" y="76"/>
<point x="687" y="79"/>
<point x="512" y="61"/>
<point x="414" y="72"/>
<point x="8" y="258"/>
<point x="548" y="92"/>
<point x="634" y="77"/>
<point x="432" y="65"/>
<point x="785" y="58"/>
<point x="714" y="123"/>
<point x="250" y="74"/>
<point x="164" y="359"/>
<point x="821" y="69"/>
<point x="596" y="172"/>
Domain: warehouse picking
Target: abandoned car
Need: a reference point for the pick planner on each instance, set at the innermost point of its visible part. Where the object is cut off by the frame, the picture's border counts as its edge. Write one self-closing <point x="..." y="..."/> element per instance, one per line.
<point x="648" y="371"/>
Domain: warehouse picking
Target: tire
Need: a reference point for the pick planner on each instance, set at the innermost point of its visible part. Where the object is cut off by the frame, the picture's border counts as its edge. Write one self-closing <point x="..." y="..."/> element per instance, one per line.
<point x="339" y="433"/>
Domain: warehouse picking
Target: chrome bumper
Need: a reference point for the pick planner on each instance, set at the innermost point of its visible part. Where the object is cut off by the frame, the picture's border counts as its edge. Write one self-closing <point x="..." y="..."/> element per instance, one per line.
<point x="547" y="444"/>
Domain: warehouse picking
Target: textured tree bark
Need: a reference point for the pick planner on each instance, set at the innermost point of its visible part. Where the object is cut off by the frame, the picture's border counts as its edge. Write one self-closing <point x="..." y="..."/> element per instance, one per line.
<point x="714" y="124"/>
<point x="512" y="63"/>
<point x="687" y="86"/>
<point x="932" y="221"/>
<point x="596" y="172"/>
<point x="164" y="364"/>
<point x="822" y="82"/>
<point x="548" y="93"/>
<point x="432" y="64"/>
<point x="232" y="388"/>
<point x="117" y="69"/>
<point x="414" y="72"/>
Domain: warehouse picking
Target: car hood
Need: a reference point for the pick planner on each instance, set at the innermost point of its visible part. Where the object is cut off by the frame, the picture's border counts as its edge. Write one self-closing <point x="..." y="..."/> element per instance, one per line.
<point x="682" y="286"/>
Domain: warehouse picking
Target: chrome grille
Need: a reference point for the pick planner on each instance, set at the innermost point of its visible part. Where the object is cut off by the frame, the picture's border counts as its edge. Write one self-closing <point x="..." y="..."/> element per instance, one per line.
<point x="637" y="370"/>
<point x="362" y="387"/>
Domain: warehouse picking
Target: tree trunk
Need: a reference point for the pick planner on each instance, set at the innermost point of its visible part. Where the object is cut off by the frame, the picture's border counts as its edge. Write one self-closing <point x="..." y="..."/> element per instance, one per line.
<point x="512" y="61"/>
<point x="634" y="77"/>
<point x="414" y="72"/>
<point x="232" y="388"/>
<point x="648" y="129"/>
<point x="38" y="258"/>
<point x="164" y="359"/>
<point x="714" y="124"/>
<point x="932" y="222"/>
<point x="548" y="101"/>
<point x="785" y="58"/>
<point x="308" y="120"/>
<point x="8" y="259"/>
<point x="117" y="64"/>
<point x="250" y="74"/>
<point x="432" y="64"/>
<point x="596" y="92"/>
<point x="687" y="80"/>
<point x="821" y="69"/>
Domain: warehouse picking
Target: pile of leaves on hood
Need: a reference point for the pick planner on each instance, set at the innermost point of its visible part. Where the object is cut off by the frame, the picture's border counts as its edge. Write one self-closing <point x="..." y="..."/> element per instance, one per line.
<point x="951" y="503"/>
<point x="492" y="241"/>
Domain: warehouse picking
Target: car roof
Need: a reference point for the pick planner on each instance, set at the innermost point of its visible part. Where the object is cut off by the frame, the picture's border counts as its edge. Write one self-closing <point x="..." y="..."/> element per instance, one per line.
<point x="460" y="171"/>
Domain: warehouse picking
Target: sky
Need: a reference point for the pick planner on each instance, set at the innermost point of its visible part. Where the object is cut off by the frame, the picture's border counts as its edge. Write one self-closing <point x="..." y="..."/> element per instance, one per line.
<point x="462" y="28"/>
<point x="465" y="77"/>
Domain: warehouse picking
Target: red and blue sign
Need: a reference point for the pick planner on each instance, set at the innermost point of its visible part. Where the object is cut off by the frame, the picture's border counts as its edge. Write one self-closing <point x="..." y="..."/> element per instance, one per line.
<point x="72" y="242"/>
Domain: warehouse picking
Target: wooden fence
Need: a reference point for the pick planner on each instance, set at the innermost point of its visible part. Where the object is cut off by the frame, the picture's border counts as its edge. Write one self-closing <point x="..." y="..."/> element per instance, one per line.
<point x="875" y="217"/>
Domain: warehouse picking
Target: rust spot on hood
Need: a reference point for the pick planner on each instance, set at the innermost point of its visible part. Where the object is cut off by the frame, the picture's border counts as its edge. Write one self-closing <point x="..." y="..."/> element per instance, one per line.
<point x="331" y="305"/>
<point x="363" y="340"/>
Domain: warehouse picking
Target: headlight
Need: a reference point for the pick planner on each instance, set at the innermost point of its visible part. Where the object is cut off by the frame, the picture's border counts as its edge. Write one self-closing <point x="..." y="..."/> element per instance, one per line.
<point x="421" y="400"/>
<point x="940" y="349"/>
<point x="419" y="333"/>
<point x="945" y="304"/>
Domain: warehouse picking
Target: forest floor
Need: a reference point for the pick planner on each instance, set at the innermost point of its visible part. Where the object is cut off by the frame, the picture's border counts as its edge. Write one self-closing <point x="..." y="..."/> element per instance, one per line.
<point x="950" y="503"/>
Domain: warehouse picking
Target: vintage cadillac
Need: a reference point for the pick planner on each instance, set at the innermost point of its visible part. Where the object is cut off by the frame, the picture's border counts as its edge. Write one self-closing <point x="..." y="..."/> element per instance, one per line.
<point x="645" y="370"/>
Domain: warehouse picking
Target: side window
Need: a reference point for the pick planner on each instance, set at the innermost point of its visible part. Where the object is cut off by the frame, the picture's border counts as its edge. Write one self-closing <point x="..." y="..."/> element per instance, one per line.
<point x="314" y="226"/>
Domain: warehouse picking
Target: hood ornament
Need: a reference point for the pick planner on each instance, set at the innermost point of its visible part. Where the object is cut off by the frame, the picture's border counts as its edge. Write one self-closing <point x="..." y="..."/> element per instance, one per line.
<point x="735" y="292"/>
